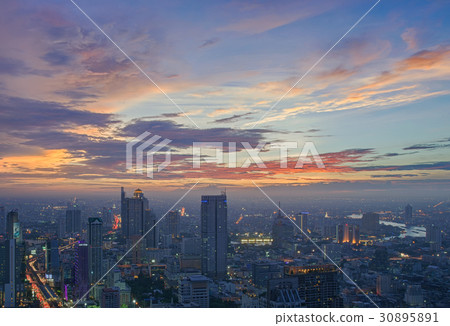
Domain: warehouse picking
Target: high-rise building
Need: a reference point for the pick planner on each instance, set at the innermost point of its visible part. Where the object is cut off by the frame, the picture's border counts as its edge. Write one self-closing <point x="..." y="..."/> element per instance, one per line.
<point x="347" y="233"/>
<point x="408" y="212"/>
<point x="12" y="272"/>
<point x="282" y="232"/>
<point x="173" y="218"/>
<point x="13" y="230"/>
<point x="318" y="285"/>
<point x="433" y="237"/>
<point x="370" y="222"/>
<point x="151" y="229"/>
<point x="95" y="241"/>
<point x="2" y="220"/>
<point x="81" y="270"/>
<point x="193" y="291"/>
<point x="214" y="235"/>
<point x="302" y="222"/>
<point x="52" y="257"/>
<point x="133" y="211"/>
<point x="73" y="219"/>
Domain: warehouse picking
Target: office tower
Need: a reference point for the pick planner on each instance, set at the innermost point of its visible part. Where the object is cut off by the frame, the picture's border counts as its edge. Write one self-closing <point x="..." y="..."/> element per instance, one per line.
<point x="384" y="284"/>
<point x="282" y="232"/>
<point x="2" y="220"/>
<point x="73" y="219"/>
<point x="408" y="212"/>
<point x="302" y="222"/>
<point x="61" y="227"/>
<point x="264" y="271"/>
<point x="13" y="230"/>
<point x="173" y="218"/>
<point x="433" y="237"/>
<point x="12" y="272"/>
<point x="152" y="237"/>
<point x="347" y="233"/>
<point x="370" y="222"/>
<point x="110" y="298"/>
<point x="193" y="291"/>
<point x="318" y="285"/>
<point x="52" y="258"/>
<point x="81" y="270"/>
<point x="95" y="241"/>
<point x="133" y="213"/>
<point x="214" y="235"/>
<point x="339" y="233"/>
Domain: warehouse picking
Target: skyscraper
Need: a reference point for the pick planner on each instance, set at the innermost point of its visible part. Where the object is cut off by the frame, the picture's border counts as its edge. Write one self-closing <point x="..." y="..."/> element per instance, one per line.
<point x="12" y="262"/>
<point x="13" y="230"/>
<point x="52" y="257"/>
<point x="214" y="235"/>
<point x="318" y="285"/>
<point x="73" y="219"/>
<point x="433" y="237"/>
<point x="137" y="219"/>
<point x="370" y="222"/>
<point x="133" y="213"/>
<point x="408" y="212"/>
<point x="302" y="222"/>
<point x="81" y="270"/>
<point x="173" y="218"/>
<point x="152" y="237"/>
<point x="282" y="232"/>
<point x="2" y="220"/>
<point x="95" y="241"/>
<point x="347" y="233"/>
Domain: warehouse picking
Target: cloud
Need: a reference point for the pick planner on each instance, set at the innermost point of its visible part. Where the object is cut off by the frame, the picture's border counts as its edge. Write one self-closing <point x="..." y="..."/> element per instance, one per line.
<point x="220" y="112"/>
<point x="233" y="118"/>
<point x="184" y="137"/>
<point x="394" y="175"/>
<point x="209" y="42"/>
<point x="57" y="58"/>
<point x="21" y="115"/>
<point x="410" y="38"/>
<point x="260" y="17"/>
<point x="16" y="67"/>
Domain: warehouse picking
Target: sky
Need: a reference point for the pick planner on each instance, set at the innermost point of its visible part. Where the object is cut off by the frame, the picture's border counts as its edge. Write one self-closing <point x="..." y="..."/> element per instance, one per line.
<point x="376" y="107"/>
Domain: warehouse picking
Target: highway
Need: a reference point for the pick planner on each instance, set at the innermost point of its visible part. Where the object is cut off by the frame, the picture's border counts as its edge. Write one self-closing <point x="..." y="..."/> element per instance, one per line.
<point x="47" y="297"/>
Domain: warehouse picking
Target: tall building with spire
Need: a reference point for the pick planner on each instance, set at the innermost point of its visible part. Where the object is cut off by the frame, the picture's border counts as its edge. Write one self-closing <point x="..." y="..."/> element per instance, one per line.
<point x="133" y="213"/>
<point x="214" y="235"/>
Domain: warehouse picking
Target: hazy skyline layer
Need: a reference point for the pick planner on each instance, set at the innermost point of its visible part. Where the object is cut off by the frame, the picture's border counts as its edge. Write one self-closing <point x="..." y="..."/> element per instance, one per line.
<point x="376" y="107"/>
